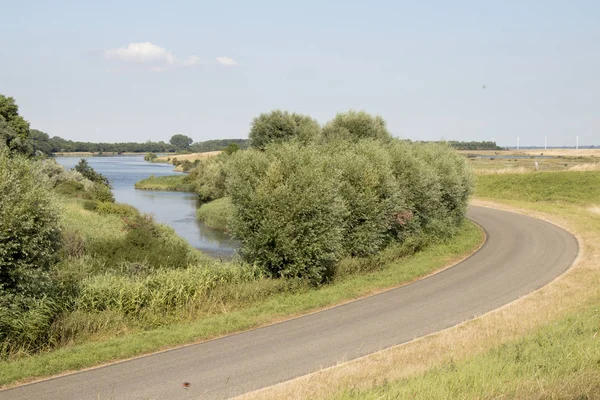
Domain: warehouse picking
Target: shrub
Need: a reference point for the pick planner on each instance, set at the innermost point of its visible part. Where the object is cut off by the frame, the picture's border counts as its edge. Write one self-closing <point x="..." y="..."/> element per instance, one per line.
<point x="371" y="194"/>
<point x="279" y="126"/>
<point x="288" y="215"/>
<point x="209" y="178"/>
<point x="150" y="157"/>
<point x="29" y="226"/>
<point x="89" y="173"/>
<point x="353" y="126"/>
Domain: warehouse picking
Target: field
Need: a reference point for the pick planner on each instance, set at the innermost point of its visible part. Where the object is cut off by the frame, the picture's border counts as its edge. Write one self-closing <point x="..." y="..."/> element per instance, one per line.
<point x="545" y="345"/>
<point x="520" y="163"/>
<point x="190" y="157"/>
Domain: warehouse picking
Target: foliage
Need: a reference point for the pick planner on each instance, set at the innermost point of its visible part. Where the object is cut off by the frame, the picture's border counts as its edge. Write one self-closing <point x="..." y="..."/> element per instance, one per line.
<point x="288" y="215"/>
<point x="29" y="227"/>
<point x="353" y="126"/>
<point x="48" y="145"/>
<point x="179" y="183"/>
<point x="209" y="176"/>
<point x="217" y="214"/>
<point x="181" y="142"/>
<point x="368" y="193"/>
<point x="474" y="145"/>
<point x="231" y="148"/>
<point x="14" y="130"/>
<point x="89" y="173"/>
<point x="218" y="144"/>
<point x="279" y="126"/>
<point x="150" y="157"/>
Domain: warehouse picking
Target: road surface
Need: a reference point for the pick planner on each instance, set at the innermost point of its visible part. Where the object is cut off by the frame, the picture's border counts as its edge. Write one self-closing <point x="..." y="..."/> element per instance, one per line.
<point x="520" y="255"/>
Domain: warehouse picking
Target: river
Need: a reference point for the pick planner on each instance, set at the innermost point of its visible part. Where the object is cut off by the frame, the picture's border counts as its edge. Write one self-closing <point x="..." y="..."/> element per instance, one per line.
<point x="175" y="209"/>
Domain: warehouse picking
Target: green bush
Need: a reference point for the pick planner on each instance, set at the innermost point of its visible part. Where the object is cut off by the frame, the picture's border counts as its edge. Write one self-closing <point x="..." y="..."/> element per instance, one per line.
<point x="279" y="126"/>
<point x="288" y="215"/>
<point x="353" y="126"/>
<point x="29" y="226"/>
<point x="89" y="173"/>
<point x="217" y="214"/>
<point x="208" y="178"/>
<point x="150" y="157"/>
<point x="371" y="194"/>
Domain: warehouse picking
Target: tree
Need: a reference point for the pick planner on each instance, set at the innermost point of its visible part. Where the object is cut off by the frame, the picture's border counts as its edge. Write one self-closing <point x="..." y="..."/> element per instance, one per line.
<point x="280" y="126"/>
<point x="88" y="172"/>
<point x="231" y="148"/>
<point x="354" y="126"/>
<point x="181" y="142"/>
<point x="14" y="130"/>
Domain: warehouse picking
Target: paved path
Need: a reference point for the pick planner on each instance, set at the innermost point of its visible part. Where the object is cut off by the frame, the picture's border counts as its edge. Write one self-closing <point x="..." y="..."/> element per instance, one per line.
<point x="520" y="255"/>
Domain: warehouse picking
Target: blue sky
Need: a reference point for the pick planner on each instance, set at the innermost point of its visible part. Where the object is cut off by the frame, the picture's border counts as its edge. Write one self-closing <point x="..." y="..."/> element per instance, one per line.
<point x="144" y="70"/>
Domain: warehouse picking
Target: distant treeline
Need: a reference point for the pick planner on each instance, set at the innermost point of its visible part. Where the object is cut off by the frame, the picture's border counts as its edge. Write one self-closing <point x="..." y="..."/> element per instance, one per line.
<point x="217" y="145"/>
<point x="44" y="143"/>
<point x="474" y="145"/>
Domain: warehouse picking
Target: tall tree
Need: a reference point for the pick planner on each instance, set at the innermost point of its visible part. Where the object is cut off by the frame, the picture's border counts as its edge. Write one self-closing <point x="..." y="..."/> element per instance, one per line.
<point x="14" y="130"/>
<point x="181" y="142"/>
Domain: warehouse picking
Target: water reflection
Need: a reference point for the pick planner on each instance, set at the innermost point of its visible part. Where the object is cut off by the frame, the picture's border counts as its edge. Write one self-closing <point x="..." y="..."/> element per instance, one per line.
<point x="175" y="209"/>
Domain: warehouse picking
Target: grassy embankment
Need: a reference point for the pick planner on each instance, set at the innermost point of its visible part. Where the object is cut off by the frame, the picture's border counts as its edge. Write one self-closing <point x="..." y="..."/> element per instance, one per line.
<point x="176" y="183"/>
<point x="545" y="345"/>
<point x="216" y="214"/>
<point x="124" y="308"/>
<point x="180" y="159"/>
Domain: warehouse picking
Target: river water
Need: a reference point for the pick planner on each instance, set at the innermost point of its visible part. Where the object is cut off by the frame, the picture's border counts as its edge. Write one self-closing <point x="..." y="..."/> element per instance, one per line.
<point x="175" y="209"/>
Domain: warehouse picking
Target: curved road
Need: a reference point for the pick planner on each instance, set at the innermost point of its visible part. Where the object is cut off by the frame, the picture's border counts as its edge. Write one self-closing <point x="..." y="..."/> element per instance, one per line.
<point x="520" y="255"/>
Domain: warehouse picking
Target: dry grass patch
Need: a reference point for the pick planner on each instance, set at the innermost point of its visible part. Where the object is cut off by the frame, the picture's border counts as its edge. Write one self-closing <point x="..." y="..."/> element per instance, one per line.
<point x="586" y="167"/>
<point x="516" y="170"/>
<point x="568" y="293"/>
<point x="190" y="157"/>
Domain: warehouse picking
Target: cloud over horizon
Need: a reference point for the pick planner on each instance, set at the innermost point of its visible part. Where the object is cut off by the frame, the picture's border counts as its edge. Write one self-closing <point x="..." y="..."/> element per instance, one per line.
<point x="158" y="57"/>
<point x="226" y="61"/>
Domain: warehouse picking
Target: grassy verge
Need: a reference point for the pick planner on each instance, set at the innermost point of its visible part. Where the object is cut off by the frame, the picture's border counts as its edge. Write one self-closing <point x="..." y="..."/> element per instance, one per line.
<point x="545" y="345"/>
<point x="172" y="183"/>
<point x="216" y="214"/>
<point x="131" y="340"/>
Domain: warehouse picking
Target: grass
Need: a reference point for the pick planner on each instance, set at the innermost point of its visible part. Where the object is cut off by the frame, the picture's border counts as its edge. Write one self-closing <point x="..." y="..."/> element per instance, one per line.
<point x="544" y="345"/>
<point x="176" y="183"/>
<point x="261" y="305"/>
<point x="216" y="214"/>
<point x="182" y="157"/>
<point x="560" y="360"/>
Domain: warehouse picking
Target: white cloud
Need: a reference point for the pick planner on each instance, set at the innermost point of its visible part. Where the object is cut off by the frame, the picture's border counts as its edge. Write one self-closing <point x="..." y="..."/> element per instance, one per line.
<point x="191" y="61"/>
<point x="144" y="52"/>
<point x="226" y="61"/>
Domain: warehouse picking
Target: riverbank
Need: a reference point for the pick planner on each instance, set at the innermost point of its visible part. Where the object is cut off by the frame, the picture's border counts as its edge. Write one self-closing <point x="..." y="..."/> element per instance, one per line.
<point x="544" y="345"/>
<point x="176" y="183"/>
<point x="135" y="312"/>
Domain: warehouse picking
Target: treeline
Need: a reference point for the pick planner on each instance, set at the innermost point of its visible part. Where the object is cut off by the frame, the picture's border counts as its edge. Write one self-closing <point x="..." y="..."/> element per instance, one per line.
<point x="44" y="143"/>
<point x="474" y="145"/>
<point x="218" y="145"/>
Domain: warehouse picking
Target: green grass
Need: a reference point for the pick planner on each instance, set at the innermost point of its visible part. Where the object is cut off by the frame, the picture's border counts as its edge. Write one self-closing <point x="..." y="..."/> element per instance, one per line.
<point x="176" y="183"/>
<point x="129" y="340"/>
<point x="560" y="360"/>
<point x="572" y="187"/>
<point x="216" y="214"/>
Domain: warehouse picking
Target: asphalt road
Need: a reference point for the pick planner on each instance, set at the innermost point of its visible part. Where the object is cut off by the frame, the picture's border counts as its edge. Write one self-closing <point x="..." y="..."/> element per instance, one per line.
<point x="520" y="255"/>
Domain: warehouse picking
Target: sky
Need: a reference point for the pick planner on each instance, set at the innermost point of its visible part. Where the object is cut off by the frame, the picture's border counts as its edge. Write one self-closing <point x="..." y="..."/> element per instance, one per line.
<point x="454" y="70"/>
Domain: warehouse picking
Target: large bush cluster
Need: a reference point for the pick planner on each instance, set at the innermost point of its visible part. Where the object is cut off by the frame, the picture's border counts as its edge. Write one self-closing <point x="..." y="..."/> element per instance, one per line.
<point x="299" y="208"/>
<point x="305" y="196"/>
